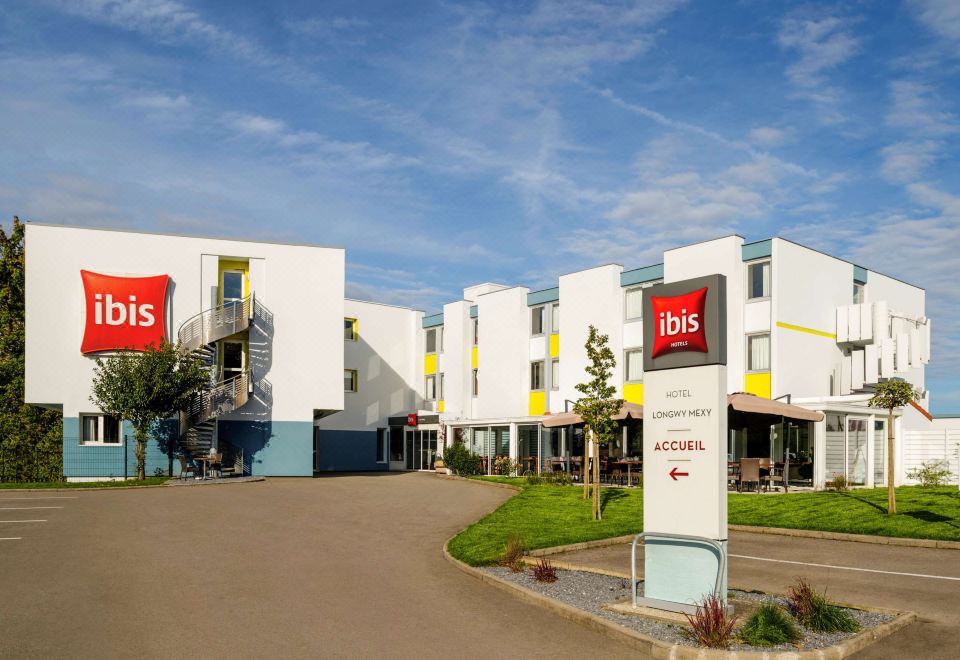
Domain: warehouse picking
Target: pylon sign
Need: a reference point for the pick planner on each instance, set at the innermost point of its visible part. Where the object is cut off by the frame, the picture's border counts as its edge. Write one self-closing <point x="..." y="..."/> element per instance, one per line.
<point x="684" y="441"/>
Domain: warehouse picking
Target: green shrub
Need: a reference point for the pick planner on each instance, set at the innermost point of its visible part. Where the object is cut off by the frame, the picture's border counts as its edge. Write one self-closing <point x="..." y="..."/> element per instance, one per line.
<point x="838" y="483"/>
<point x="769" y="626"/>
<point x="814" y="611"/>
<point x="535" y="479"/>
<point x="505" y="466"/>
<point x="559" y="478"/>
<point x="461" y="460"/>
<point x="931" y="473"/>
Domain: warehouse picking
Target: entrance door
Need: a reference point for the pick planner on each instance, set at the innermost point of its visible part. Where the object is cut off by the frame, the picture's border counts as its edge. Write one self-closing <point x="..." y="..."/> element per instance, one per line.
<point x="234" y="360"/>
<point x="396" y="448"/>
<point x="421" y="448"/>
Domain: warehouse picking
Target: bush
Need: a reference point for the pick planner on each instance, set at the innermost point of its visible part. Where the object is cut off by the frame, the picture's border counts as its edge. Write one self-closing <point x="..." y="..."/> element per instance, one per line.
<point x="838" y="483"/>
<point x="535" y="479"/>
<point x="512" y="556"/>
<point x="543" y="571"/>
<point x="559" y="478"/>
<point x="712" y="626"/>
<point x="461" y="460"/>
<point x="931" y="473"/>
<point x="769" y="626"/>
<point x="814" y="611"/>
<point x="505" y="466"/>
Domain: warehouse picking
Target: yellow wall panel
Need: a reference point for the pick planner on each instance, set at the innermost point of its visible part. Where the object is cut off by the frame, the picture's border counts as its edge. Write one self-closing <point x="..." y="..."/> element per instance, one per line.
<point x="633" y="393"/>
<point x="440" y="406"/>
<point x="555" y="346"/>
<point x="429" y="364"/>
<point x="538" y="403"/>
<point x="473" y="358"/>
<point x="758" y="384"/>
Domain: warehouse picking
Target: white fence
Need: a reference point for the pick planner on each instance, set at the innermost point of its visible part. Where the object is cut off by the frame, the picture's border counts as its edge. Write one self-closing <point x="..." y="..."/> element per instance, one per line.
<point x="932" y="445"/>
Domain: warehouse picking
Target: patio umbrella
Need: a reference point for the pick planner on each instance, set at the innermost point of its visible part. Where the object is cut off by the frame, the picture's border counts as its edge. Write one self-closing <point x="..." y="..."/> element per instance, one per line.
<point x="627" y="411"/>
<point x="751" y="403"/>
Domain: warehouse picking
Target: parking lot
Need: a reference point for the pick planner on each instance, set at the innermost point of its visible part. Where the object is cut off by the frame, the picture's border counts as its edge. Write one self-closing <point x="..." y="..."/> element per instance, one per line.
<point x="346" y="566"/>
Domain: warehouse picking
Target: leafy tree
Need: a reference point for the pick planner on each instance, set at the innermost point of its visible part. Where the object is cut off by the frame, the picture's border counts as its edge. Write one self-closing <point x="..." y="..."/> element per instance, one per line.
<point x="889" y="395"/>
<point x="30" y="437"/>
<point x="597" y="406"/>
<point x="147" y="387"/>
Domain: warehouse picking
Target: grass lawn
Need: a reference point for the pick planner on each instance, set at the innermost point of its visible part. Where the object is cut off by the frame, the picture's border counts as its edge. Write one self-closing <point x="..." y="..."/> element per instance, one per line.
<point x="149" y="481"/>
<point x="545" y="516"/>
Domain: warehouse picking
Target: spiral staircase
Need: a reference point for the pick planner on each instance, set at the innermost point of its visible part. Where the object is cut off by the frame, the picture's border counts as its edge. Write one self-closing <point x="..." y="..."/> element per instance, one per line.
<point x="198" y="335"/>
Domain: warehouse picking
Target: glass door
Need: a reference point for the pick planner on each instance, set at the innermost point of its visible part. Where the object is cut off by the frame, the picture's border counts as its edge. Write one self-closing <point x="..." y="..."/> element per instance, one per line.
<point x="857" y="451"/>
<point x="880" y="452"/>
<point x="233" y="359"/>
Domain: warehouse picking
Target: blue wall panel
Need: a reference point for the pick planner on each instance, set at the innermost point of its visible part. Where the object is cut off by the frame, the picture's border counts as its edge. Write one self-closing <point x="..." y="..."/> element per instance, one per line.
<point x="118" y="460"/>
<point x="279" y="449"/>
<point x="347" y="451"/>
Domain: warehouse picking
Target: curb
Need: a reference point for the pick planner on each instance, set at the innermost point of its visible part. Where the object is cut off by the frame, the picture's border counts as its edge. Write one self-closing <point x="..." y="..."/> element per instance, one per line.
<point x="102" y="488"/>
<point x="855" y="538"/>
<point x="453" y="477"/>
<point x="662" y="650"/>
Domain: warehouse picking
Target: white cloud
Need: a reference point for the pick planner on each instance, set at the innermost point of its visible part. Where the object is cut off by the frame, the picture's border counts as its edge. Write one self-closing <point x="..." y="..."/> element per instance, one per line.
<point x="916" y="108"/>
<point x="768" y="136"/>
<point x="905" y="161"/>
<point x="940" y="16"/>
<point x="157" y="102"/>
<point x="254" y="124"/>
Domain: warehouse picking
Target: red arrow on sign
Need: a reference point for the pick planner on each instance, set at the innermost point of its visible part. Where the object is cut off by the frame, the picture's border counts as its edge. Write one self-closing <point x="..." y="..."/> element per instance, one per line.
<point x="674" y="474"/>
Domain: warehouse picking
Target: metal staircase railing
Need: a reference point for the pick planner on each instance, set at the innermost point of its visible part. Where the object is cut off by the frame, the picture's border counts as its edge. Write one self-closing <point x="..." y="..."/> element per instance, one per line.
<point x="224" y="397"/>
<point x="216" y="323"/>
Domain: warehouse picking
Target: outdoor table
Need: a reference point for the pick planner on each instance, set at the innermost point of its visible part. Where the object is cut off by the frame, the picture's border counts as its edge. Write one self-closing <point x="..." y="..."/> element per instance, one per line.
<point x="204" y="460"/>
<point x="629" y="462"/>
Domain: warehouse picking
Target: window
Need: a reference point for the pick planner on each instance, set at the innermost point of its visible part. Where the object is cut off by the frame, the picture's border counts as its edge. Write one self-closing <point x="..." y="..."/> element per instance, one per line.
<point x="430" y="388"/>
<point x="634" y="365"/>
<point x="858" y="293"/>
<point x="555" y="374"/>
<point x="476" y="331"/>
<point x="536" y="321"/>
<point x="432" y="340"/>
<point x="440" y="392"/>
<point x="555" y="318"/>
<point x="476" y="383"/>
<point x="440" y="338"/>
<point x="99" y="430"/>
<point x="634" y="303"/>
<point x="232" y="285"/>
<point x="350" y="329"/>
<point x="536" y="375"/>
<point x="349" y="380"/>
<point x="758" y="280"/>
<point x="381" y="456"/>
<point x="758" y="352"/>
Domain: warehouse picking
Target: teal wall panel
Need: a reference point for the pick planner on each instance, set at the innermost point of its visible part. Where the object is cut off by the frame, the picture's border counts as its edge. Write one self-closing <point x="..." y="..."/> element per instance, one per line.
<point x="272" y="448"/>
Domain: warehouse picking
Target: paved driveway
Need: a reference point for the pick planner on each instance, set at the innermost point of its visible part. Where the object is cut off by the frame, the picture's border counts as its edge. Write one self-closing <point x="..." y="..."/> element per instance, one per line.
<point x="346" y="566"/>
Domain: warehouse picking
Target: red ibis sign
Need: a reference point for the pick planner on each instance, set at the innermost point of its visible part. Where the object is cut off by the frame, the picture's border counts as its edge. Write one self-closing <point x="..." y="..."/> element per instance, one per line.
<point x="679" y="323"/>
<point x="412" y="419"/>
<point x="123" y="312"/>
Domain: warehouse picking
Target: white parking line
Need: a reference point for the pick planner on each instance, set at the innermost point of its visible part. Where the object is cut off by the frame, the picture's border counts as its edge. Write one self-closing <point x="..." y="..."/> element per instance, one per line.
<point x="11" y="538"/>
<point x="21" y="521"/>
<point x="17" y="499"/>
<point x="24" y="508"/>
<point x="849" y="568"/>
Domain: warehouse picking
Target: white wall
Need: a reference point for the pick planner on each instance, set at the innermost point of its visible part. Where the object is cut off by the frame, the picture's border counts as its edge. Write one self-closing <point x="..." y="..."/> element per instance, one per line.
<point x="592" y="296"/>
<point x="724" y="256"/>
<point x="301" y="285"/>
<point x="503" y="354"/>
<point x="385" y="356"/>
<point x="457" y="347"/>
<point x="808" y="286"/>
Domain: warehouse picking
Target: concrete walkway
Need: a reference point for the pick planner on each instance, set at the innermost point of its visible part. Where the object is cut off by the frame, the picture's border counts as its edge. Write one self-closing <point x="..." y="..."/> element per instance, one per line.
<point x="337" y="567"/>
<point x="924" y="580"/>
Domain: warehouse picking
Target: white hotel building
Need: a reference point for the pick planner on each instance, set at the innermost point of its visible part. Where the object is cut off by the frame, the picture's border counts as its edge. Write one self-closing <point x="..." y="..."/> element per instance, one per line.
<point x="309" y="381"/>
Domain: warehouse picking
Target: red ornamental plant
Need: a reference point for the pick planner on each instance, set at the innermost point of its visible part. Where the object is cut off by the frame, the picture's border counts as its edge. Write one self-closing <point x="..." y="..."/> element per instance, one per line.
<point x="543" y="571"/>
<point x="712" y="626"/>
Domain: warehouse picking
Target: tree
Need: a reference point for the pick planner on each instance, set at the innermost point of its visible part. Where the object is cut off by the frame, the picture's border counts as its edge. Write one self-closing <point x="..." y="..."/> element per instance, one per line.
<point x="30" y="437"/>
<point x="597" y="407"/>
<point x="146" y="388"/>
<point x="889" y="395"/>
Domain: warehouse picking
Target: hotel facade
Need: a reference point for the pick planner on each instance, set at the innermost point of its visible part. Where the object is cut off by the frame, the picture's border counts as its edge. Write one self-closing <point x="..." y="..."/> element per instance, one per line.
<point x="306" y="381"/>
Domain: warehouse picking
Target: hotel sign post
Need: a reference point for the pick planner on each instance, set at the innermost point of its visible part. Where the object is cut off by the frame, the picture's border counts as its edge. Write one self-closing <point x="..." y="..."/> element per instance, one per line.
<point x="684" y="443"/>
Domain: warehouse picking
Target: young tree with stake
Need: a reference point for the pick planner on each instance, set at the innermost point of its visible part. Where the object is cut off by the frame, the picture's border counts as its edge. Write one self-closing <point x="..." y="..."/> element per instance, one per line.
<point x="146" y="388"/>
<point x="889" y="395"/>
<point x="597" y="405"/>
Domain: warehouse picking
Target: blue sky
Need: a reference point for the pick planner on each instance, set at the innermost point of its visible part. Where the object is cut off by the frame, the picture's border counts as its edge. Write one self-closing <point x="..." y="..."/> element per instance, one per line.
<point x="445" y="143"/>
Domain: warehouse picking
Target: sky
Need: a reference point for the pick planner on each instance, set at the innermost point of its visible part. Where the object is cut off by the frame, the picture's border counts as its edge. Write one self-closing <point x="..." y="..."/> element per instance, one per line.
<point x="445" y="144"/>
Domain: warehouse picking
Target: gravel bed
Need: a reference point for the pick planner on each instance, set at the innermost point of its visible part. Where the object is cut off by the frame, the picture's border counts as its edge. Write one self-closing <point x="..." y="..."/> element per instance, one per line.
<point x="591" y="591"/>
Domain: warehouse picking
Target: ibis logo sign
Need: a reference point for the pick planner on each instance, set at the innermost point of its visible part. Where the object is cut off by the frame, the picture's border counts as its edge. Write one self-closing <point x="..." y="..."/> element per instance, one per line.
<point x="123" y="312"/>
<point x="684" y="323"/>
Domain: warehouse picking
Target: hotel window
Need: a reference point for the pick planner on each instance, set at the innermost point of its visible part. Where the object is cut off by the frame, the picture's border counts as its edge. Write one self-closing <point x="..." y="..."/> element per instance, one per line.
<point x="476" y="331"/>
<point x="440" y="392"/>
<point x="634" y="303"/>
<point x="350" y="329"/>
<point x="858" y="293"/>
<point x="350" y="380"/>
<point x="430" y="388"/>
<point x="381" y="445"/>
<point x="758" y="280"/>
<point x="555" y="374"/>
<point x="536" y="321"/>
<point x="634" y="365"/>
<point x="758" y="352"/>
<point x="555" y="318"/>
<point x="476" y="383"/>
<point x="99" y="430"/>
<point x="440" y="338"/>
<point x="432" y="340"/>
<point x="536" y="375"/>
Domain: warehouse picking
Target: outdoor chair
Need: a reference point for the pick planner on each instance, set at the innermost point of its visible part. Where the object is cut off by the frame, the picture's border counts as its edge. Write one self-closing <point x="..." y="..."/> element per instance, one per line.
<point x="185" y="467"/>
<point x="774" y="476"/>
<point x="750" y="472"/>
<point x="216" y="465"/>
<point x="616" y="476"/>
<point x="733" y="475"/>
